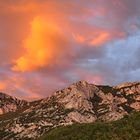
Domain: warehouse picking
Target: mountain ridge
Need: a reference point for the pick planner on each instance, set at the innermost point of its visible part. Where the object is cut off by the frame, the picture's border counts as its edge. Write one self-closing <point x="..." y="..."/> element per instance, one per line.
<point x="81" y="102"/>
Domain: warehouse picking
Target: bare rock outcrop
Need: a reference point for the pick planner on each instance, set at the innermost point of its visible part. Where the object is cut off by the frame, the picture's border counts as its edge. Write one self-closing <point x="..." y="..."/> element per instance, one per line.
<point x="11" y="104"/>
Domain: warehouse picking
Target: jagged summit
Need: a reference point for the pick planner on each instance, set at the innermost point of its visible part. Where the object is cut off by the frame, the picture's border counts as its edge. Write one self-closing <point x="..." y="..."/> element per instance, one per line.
<point x="82" y="82"/>
<point x="10" y="104"/>
<point x="81" y="102"/>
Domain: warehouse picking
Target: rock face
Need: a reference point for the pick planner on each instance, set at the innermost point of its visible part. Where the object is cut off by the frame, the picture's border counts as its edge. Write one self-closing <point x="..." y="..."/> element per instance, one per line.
<point x="10" y="104"/>
<point x="79" y="103"/>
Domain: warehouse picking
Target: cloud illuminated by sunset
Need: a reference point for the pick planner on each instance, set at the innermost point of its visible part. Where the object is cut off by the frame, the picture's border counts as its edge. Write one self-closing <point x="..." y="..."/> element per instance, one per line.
<point x="2" y="85"/>
<point x="41" y="46"/>
<point x="45" y="45"/>
<point x="98" y="38"/>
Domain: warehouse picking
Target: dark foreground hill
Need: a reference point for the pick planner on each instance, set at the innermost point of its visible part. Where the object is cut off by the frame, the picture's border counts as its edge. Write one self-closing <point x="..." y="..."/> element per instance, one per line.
<point x="127" y="128"/>
<point x="79" y="103"/>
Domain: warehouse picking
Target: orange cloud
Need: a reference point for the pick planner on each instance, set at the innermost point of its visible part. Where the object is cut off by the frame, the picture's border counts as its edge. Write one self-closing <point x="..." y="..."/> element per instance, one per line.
<point x="43" y="46"/>
<point x="79" y="38"/>
<point x="15" y="85"/>
<point x="2" y="85"/>
<point x="100" y="39"/>
<point x="7" y="83"/>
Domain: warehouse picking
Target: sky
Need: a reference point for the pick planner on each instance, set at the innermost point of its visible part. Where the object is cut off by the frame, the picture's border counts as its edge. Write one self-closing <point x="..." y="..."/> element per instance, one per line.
<point x="46" y="45"/>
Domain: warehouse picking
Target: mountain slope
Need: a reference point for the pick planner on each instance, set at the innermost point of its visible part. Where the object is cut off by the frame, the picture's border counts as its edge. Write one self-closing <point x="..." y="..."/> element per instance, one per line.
<point x="127" y="128"/>
<point x="79" y="103"/>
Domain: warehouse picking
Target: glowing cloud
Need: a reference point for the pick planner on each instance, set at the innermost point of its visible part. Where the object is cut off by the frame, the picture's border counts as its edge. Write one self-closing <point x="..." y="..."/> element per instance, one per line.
<point x="79" y="38"/>
<point x="100" y="39"/>
<point x="46" y="41"/>
<point x="2" y="85"/>
<point x="42" y="47"/>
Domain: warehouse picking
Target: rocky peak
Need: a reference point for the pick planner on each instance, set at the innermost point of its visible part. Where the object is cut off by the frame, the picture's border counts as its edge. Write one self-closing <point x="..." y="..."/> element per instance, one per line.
<point x="77" y="96"/>
<point x="10" y="104"/>
<point x="79" y="89"/>
<point x="82" y="83"/>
